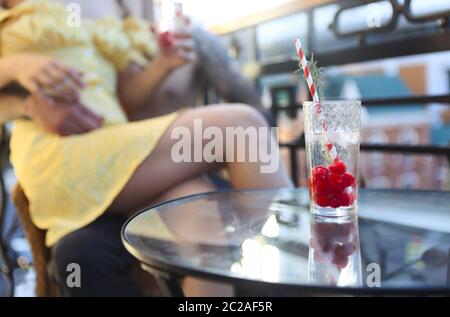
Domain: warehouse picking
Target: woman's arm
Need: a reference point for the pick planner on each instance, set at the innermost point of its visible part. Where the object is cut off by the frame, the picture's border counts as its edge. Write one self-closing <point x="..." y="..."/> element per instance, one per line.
<point x="60" y="117"/>
<point x="216" y="66"/>
<point x="53" y="103"/>
<point x="37" y="72"/>
<point x="8" y="72"/>
<point x="137" y="85"/>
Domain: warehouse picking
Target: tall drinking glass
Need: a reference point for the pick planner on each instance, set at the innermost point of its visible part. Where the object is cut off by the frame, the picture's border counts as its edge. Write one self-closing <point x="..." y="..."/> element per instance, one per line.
<point x="332" y="133"/>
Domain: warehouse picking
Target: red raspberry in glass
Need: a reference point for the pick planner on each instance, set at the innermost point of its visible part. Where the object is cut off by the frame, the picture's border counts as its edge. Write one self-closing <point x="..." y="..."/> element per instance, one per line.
<point x="346" y="199"/>
<point x="166" y="39"/>
<point x="322" y="200"/>
<point x="335" y="202"/>
<point x="338" y="167"/>
<point x="348" y="179"/>
<point x="322" y="188"/>
<point x="336" y="183"/>
<point x="320" y="172"/>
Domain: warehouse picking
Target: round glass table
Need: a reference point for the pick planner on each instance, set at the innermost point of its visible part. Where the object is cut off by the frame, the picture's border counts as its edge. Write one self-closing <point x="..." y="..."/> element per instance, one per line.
<point x="266" y="243"/>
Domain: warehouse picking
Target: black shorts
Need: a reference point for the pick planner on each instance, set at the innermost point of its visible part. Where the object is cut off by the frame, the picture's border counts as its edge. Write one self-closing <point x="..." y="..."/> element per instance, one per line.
<point x="103" y="261"/>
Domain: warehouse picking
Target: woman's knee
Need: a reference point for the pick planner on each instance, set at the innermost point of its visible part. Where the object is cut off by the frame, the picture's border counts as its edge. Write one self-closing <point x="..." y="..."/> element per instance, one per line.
<point x="223" y="115"/>
<point x="247" y="115"/>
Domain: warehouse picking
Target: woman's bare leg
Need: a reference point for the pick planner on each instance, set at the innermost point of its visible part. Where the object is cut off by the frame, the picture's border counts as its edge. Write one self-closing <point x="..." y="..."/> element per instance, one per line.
<point x="193" y="186"/>
<point x="158" y="173"/>
<point x="159" y="178"/>
<point x="193" y="287"/>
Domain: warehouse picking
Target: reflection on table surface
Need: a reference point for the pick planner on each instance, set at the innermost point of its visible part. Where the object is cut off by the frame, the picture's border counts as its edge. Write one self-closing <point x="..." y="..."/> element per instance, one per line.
<point x="400" y="239"/>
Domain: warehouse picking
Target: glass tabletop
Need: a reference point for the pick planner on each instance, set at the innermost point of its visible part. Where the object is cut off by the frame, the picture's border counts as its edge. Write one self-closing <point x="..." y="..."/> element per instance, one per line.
<point x="399" y="241"/>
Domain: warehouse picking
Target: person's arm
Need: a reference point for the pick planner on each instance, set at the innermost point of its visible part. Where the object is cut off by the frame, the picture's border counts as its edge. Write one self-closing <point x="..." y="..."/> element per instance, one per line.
<point x="37" y="72"/>
<point x="137" y="85"/>
<point x="216" y="66"/>
<point x="60" y="117"/>
<point x="7" y="71"/>
<point x="48" y="94"/>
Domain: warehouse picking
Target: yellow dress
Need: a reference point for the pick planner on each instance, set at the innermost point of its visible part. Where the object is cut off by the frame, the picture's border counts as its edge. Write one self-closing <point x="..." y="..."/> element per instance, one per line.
<point x="71" y="181"/>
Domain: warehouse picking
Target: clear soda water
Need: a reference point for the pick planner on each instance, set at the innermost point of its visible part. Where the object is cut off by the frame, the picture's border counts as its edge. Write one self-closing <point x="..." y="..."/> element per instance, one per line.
<point x="333" y="155"/>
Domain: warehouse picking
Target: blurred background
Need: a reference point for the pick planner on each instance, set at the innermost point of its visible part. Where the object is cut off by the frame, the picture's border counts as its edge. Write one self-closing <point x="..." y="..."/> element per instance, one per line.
<point x="377" y="51"/>
<point x="393" y="55"/>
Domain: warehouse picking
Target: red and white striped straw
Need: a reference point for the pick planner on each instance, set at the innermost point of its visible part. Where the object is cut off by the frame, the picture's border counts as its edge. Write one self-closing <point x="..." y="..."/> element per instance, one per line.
<point x="313" y="91"/>
<point x="308" y="76"/>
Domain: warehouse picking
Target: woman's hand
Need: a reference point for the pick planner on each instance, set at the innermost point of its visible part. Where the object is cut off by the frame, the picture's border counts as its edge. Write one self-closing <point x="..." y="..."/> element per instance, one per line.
<point x="61" y="118"/>
<point x="176" y="49"/>
<point x="137" y="86"/>
<point x="50" y="77"/>
<point x="180" y="52"/>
